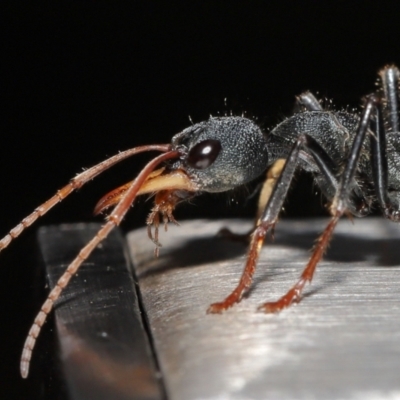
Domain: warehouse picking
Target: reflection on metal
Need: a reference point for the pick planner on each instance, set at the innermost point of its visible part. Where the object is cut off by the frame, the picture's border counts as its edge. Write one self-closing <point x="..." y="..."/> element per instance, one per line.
<point x="342" y="341"/>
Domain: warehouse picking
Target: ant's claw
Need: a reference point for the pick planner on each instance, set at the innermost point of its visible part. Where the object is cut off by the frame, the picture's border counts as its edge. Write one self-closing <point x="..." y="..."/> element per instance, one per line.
<point x="216" y="308"/>
<point x="269" y="308"/>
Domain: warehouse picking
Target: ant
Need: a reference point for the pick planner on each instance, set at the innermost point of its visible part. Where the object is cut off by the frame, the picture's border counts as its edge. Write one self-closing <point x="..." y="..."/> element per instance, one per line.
<point x="225" y="152"/>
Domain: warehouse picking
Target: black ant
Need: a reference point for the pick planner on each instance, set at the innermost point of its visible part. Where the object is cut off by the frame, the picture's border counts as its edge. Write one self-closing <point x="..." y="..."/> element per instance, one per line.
<point x="223" y="153"/>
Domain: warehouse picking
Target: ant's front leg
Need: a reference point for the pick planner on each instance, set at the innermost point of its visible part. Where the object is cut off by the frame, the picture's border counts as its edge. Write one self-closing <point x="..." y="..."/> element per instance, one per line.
<point x="339" y="206"/>
<point x="270" y="215"/>
<point x="273" y="174"/>
<point x="304" y="102"/>
<point x="266" y="222"/>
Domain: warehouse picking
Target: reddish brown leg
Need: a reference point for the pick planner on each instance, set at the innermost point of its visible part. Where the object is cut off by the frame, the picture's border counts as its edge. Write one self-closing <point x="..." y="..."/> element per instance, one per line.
<point x="338" y="208"/>
<point x="294" y="294"/>
<point x="256" y="243"/>
<point x="266" y="222"/>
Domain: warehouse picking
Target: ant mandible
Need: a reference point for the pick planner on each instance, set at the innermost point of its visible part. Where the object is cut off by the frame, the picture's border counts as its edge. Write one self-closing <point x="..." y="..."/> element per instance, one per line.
<point x="225" y="152"/>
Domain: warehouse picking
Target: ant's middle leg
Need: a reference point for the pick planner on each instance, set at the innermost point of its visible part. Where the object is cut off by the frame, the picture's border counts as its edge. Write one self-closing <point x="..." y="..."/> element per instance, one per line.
<point x="389" y="80"/>
<point x="385" y="124"/>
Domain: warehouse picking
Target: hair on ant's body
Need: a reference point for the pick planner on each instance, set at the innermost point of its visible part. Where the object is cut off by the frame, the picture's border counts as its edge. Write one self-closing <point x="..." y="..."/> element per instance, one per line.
<point x="223" y="153"/>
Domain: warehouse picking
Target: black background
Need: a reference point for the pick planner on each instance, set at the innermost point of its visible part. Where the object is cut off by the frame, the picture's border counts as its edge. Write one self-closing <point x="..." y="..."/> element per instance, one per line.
<point x="83" y="80"/>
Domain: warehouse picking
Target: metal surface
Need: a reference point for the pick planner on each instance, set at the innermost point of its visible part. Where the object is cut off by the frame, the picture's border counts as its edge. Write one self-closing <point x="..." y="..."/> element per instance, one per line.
<point x="104" y="348"/>
<point x="341" y="342"/>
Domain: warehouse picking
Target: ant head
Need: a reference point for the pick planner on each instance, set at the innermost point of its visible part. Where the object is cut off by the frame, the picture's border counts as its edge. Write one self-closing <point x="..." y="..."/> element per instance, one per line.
<point x="221" y="153"/>
<point x="212" y="156"/>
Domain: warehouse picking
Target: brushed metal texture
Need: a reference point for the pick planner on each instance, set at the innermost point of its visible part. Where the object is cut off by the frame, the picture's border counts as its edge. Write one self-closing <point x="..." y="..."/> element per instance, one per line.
<point x="105" y="352"/>
<point x="341" y="342"/>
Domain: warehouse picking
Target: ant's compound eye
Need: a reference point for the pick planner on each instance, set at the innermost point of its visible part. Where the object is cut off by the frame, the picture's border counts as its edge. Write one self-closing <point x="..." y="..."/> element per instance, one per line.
<point x="204" y="154"/>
